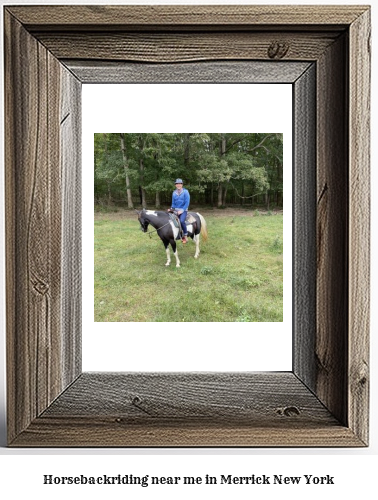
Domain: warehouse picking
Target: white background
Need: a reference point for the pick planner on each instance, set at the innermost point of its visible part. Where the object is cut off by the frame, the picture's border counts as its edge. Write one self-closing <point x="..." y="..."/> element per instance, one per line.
<point x="186" y="346"/>
<point x="354" y="469"/>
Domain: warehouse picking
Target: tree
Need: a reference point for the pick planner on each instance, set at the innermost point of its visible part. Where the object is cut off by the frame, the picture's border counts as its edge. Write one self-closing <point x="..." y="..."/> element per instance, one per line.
<point x="126" y="168"/>
<point x="240" y="168"/>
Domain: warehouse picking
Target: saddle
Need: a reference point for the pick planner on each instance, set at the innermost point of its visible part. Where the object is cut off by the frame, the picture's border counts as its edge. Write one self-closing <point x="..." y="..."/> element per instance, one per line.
<point x="188" y="220"/>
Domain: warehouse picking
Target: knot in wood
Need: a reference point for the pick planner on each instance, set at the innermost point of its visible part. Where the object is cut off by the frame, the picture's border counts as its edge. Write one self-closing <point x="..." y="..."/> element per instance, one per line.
<point x="136" y="400"/>
<point x="278" y="50"/>
<point x="288" y="411"/>
<point x="361" y="375"/>
<point x="41" y="287"/>
<point x="139" y="403"/>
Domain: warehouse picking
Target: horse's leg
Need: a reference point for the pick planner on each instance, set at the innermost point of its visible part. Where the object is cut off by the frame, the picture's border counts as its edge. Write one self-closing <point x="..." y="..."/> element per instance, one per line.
<point x="166" y="244"/>
<point x="174" y="248"/>
<point x="196" y="239"/>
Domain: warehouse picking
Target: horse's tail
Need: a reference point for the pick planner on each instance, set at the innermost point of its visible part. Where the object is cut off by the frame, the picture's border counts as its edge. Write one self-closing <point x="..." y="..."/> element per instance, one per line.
<point x="203" y="227"/>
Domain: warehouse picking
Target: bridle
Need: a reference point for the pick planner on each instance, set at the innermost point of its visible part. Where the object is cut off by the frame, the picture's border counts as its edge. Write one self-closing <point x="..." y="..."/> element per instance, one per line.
<point x="154" y="230"/>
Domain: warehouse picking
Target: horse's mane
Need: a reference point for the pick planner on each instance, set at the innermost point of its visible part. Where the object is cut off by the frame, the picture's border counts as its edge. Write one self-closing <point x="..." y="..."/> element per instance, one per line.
<point x="152" y="210"/>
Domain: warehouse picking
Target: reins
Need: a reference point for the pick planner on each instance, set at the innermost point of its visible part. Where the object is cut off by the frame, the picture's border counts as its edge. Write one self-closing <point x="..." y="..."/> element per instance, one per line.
<point x="155" y="230"/>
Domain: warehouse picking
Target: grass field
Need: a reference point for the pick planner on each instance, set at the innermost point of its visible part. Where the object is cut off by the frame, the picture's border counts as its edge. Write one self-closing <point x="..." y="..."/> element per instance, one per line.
<point x="238" y="276"/>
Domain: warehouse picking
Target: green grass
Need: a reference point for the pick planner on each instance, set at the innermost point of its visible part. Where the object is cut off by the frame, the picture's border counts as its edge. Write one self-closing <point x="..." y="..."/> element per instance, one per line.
<point x="238" y="276"/>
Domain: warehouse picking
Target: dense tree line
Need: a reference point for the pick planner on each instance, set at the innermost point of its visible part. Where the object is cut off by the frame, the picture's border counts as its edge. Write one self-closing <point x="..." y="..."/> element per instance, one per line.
<point x="218" y="169"/>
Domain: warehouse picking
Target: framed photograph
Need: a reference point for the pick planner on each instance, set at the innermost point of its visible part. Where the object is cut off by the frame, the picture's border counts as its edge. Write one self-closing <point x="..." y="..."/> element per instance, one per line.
<point x="236" y="180"/>
<point x="323" y="52"/>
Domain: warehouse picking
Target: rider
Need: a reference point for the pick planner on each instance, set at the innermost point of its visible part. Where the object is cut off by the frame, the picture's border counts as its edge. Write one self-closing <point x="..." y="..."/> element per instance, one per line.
<point x="180" y="203"/>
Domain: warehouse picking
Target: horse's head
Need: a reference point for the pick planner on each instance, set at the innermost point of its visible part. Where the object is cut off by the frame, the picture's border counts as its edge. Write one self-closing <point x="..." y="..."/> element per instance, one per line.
<point x="143" y="220"/>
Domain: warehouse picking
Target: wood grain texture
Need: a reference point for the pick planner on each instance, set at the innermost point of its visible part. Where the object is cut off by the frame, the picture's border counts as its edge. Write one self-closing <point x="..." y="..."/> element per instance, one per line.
<point x="184" y="16"/>
<point x="180" y="47"/>
<point x="202" y="72"/>
<point x="359" y="226"/>
<point x="331" y="351"/>
<point x="70" y="143"/>
<point x="242" y="397"/>
<point x="33" y="227"/>
<point x="323" y="402"/>
<point x="304" y="228"/>
<point x="193" y="409"/>
<point x="100" y="432"/>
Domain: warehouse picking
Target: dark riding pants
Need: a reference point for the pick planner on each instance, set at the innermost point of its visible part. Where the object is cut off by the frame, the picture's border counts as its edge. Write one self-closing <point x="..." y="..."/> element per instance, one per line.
<point x="182" y="218"/>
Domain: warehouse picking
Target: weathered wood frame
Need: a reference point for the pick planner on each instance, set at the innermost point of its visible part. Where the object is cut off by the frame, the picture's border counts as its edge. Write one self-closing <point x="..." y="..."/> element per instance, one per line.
<point x="49" y="52"/>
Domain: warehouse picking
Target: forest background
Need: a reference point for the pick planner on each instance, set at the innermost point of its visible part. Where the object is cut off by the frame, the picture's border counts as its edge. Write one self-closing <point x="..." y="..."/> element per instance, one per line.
<point x="219" y="169"/>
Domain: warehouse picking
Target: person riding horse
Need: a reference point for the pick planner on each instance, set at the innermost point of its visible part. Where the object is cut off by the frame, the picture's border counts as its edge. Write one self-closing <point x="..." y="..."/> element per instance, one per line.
<point x="166" y="228"/>
<point x="180" y="205"/>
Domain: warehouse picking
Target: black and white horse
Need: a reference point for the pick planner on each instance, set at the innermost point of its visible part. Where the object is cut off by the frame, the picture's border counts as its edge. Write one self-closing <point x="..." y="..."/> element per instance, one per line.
<point x="169" y="233"/>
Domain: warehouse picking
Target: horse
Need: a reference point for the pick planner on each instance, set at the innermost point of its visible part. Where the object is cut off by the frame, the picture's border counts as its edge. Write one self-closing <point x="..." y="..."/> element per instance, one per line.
<point x="169" y="233"/>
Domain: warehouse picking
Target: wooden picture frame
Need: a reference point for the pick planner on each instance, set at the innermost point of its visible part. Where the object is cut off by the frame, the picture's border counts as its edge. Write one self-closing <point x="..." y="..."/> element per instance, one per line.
<point x="49" y="52"/>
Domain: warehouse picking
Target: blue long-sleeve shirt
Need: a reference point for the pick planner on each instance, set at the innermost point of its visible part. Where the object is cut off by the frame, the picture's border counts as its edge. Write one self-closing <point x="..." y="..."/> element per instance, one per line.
<point x="181" y="201"/>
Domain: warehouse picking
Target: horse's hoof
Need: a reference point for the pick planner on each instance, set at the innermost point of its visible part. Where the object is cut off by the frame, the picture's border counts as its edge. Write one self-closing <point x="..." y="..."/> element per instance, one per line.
<point x="177" y="265"/>
<point x="167" y="263"/>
